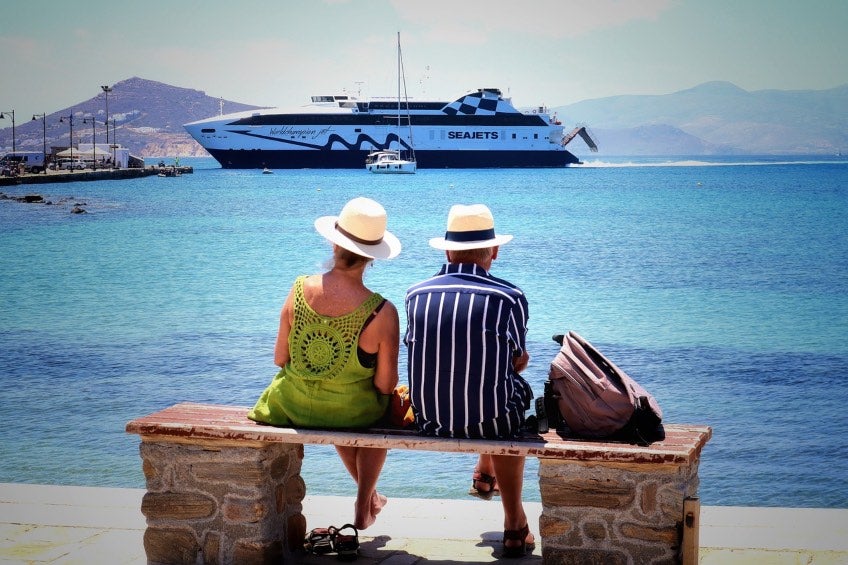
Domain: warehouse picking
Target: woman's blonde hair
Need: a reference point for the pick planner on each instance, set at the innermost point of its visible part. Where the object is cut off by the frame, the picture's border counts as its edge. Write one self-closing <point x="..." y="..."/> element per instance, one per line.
<point x="348" y="259"/>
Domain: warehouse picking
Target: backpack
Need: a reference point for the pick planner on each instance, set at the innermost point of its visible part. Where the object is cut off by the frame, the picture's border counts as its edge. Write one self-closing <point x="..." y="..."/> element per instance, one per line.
<point x="595" y="399"/>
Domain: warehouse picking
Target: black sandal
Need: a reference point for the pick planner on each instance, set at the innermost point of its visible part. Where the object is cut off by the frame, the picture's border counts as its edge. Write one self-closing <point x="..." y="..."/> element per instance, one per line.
<point x="518" y="535"/>
<point x="346" y="545"/>
<point x="320" y="541"/>
<point x="485" y="479"/>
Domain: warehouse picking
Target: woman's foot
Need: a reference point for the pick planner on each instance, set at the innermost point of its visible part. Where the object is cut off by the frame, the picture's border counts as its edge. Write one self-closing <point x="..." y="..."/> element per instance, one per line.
<point x="366" y="513"/>
<point x="377" y="503"/>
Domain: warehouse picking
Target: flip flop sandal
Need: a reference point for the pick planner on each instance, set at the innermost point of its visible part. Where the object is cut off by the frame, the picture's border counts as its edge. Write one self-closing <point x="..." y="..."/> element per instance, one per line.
<point x="347" y="545"/>
<point x="320" y="541"/>
<point x="485" y="479"/>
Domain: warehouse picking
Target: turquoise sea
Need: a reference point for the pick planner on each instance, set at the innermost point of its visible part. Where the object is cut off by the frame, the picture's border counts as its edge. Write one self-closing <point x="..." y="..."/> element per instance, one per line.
<point x="720" y="284"/>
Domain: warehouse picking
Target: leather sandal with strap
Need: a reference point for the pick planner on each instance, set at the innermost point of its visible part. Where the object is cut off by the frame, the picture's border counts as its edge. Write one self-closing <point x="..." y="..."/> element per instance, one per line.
<point x="319" y="541"/>
<point x="346" y="544"/>
<point x="518" y="535"/>
<point x="485" y="479"/>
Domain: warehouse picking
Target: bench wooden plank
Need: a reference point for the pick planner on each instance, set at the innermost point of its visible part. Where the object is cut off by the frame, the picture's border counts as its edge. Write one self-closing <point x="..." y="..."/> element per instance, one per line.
<point x="230" y="423"/>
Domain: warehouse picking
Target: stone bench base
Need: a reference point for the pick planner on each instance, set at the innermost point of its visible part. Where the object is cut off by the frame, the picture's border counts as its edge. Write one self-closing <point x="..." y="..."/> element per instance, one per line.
<point x="223" y="489"/>
<point x="222" y="503"/>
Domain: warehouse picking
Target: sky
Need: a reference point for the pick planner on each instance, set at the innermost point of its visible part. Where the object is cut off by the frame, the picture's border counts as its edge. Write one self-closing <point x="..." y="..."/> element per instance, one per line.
<point x="540" y="52"/>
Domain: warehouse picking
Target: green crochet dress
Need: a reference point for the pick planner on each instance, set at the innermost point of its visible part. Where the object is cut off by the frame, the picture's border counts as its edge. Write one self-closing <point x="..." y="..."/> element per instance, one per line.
<point x="323" y="385"/>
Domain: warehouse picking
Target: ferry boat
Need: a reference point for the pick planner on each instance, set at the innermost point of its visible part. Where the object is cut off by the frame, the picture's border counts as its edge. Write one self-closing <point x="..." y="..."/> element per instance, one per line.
<point x="481" y="129"/>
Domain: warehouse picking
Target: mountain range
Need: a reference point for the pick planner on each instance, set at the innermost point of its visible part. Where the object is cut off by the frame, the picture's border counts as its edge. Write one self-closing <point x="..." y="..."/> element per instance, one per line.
<point x="717" y="118"/>
<point x="714" y="118"/>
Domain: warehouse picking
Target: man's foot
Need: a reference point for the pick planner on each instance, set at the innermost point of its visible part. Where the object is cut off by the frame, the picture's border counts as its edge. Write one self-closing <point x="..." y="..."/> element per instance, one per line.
<point x="518" y="543"/>
<point x="483" y="485"/>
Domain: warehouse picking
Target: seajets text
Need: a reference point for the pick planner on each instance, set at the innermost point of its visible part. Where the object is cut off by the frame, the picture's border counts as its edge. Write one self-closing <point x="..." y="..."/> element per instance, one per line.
<point x="472" y="135"/>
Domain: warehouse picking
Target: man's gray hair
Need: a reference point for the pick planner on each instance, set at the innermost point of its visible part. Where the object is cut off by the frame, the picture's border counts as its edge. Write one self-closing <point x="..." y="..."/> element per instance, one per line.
<point x="480" y="255"/>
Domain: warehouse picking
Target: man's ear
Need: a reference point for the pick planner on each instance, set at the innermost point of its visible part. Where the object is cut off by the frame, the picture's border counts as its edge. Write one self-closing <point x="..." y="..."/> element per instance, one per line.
<point x="495" y="252"/>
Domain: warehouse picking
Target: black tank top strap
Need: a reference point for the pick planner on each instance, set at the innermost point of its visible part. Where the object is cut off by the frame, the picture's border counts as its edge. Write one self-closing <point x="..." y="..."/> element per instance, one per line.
<point x="369" y="360"/>
<point x="373" y="314"/>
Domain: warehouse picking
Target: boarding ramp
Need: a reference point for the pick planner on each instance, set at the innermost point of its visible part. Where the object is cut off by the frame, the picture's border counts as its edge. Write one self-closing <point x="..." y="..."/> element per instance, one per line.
<point x="583" y="133"/>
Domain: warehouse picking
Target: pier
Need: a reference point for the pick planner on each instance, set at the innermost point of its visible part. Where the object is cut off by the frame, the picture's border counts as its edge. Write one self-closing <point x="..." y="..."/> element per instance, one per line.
<point x="93" y="175"/>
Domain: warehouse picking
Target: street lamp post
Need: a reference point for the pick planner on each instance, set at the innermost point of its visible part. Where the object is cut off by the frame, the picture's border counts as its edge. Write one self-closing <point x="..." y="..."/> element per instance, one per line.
<point x="43" y="137"/>
<point x="12" y="113"/>
<point x="114" y="142"/>
<point x="106" y="91"/>
<point x="93" y="144"/>
<point x="71" y="137"/>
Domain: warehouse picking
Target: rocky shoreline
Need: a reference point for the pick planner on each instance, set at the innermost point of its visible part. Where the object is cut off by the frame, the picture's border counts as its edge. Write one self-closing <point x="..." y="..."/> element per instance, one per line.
<point x="76" y="207"/>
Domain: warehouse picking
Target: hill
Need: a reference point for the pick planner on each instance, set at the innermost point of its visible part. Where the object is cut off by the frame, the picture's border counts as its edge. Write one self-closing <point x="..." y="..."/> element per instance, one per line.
<point x="148" y="115"/>
<point x="718" y="118"/>
<point x="714" y="118"/>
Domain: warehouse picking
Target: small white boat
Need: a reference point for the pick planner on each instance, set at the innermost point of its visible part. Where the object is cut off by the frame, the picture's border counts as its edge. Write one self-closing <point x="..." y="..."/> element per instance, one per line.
<point x="390" y="162"/>
<point x="267" y="171"/>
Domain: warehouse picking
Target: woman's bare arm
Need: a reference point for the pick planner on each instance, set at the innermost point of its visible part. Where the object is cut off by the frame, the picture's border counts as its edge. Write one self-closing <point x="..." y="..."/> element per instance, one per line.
<point x="281" y="347"/>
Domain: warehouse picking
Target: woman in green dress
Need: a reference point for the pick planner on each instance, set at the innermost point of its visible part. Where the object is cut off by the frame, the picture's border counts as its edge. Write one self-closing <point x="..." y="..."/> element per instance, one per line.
<point x="338" y="347"/>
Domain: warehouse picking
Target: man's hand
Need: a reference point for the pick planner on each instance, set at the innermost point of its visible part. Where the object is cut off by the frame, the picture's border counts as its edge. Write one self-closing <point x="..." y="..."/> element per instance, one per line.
<point x="519" y="363"/>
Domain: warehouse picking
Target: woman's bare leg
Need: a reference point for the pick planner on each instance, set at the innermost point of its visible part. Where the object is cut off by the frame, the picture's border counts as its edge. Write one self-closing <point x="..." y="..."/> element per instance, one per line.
<point x="364" y="465"/>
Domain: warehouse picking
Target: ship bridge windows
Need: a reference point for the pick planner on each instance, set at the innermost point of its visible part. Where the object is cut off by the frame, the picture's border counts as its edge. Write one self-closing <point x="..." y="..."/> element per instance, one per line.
<point x="335" y="98"/>
<point x="207" y="130"/>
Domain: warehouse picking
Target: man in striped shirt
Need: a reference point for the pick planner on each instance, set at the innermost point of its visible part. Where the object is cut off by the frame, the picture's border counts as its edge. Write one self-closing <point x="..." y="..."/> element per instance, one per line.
<point x="466" y="339"/>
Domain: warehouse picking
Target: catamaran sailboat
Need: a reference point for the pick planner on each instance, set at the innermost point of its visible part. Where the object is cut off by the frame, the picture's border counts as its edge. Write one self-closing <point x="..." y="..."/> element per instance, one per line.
<point x="394" y="161"/>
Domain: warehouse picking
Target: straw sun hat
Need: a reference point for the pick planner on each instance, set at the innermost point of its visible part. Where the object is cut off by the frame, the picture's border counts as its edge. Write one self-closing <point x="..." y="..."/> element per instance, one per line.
<point x="361" y="229"/>
<point x="469" y="227"/>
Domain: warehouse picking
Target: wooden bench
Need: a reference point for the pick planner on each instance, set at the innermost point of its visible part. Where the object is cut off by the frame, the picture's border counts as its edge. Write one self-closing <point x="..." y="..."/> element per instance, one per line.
<point x="224" y="489"/>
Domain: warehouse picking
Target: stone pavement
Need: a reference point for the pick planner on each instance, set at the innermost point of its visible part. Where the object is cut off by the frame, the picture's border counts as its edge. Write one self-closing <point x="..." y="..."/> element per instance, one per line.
<point x="94" y="525"/>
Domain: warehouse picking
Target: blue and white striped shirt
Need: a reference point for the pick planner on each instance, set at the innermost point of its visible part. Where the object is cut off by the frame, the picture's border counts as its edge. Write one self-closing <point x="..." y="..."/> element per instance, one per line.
<point x="464" y="327"/>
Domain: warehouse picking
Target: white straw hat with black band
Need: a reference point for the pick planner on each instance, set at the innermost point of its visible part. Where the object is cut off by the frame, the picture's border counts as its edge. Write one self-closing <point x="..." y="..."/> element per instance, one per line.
<point x="469" y="227"/>
<point x="361" y="228"/>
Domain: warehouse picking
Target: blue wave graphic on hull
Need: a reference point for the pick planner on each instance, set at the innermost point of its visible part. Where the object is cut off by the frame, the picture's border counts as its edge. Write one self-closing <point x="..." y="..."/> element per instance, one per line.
<point x="333" y="138"/>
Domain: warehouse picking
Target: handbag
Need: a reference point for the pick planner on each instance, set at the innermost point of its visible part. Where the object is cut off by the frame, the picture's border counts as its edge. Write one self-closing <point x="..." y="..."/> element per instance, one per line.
<point x="400" y="408"/>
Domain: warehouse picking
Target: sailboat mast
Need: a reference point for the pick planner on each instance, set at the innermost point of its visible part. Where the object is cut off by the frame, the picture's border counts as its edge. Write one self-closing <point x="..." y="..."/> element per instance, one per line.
<point x="402" y="77"/>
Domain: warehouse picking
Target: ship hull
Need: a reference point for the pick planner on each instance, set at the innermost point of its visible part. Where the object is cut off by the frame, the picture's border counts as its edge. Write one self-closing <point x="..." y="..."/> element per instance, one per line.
<point x="351" y="159"/>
